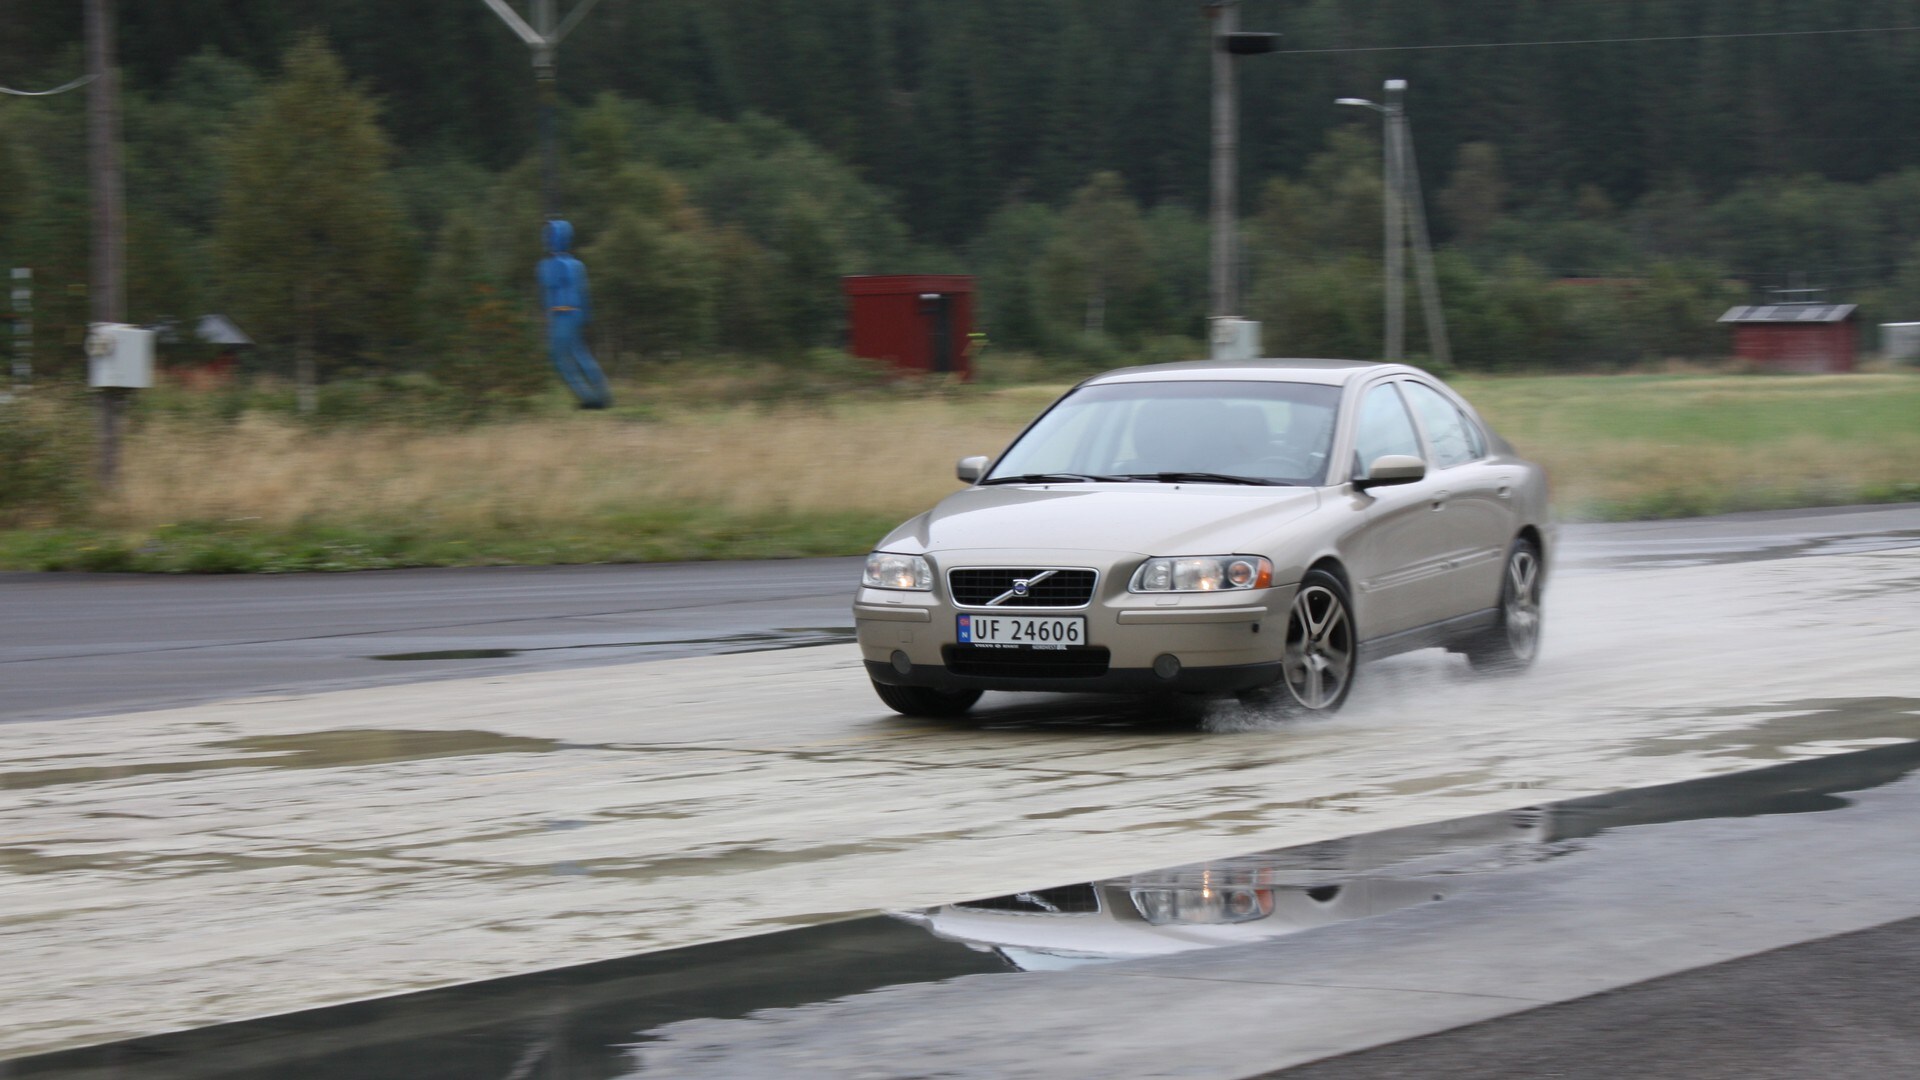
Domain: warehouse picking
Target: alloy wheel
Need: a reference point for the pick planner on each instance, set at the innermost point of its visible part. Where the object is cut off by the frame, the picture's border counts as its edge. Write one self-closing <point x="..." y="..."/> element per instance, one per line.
<point x="1318" y="661"/>
<point x="1522" y="603"/>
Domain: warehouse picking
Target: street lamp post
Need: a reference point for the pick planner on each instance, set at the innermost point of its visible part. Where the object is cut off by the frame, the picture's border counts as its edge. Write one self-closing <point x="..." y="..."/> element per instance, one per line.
<point x="1404" y="210"/>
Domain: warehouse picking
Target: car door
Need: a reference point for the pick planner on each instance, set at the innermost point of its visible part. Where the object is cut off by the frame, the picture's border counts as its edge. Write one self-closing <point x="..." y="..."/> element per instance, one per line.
<point x="1395" y="550"/>
<point x="1476" y="517"/>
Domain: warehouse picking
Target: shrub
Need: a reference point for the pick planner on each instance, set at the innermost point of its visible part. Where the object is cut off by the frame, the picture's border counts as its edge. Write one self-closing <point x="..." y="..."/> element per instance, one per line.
<point x="42" y="464"/>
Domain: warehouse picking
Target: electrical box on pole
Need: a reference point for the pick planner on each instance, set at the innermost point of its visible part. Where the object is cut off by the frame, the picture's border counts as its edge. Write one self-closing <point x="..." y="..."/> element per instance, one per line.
<point x="1234" y="339"/>
<point x="119" y="357"/>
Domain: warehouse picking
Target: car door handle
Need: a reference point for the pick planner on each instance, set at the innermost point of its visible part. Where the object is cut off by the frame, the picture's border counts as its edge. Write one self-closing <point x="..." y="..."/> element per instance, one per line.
<point x="1440" y="499"/>
<point x="1505" y="492"/>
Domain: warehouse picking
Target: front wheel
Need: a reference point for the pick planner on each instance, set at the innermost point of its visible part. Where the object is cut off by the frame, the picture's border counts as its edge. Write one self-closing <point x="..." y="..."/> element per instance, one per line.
<point x="1512" y="644"/>
<point x="925" y="700"/>
<point x="1317" y="664"/>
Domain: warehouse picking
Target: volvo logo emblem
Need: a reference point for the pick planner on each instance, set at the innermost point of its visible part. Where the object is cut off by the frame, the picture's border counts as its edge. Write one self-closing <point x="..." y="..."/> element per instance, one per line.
<point x="1021" y="588"/>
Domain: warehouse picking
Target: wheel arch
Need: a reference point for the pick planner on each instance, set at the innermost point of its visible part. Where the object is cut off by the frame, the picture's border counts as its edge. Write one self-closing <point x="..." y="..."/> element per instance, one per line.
<point x="1331" y="564"/>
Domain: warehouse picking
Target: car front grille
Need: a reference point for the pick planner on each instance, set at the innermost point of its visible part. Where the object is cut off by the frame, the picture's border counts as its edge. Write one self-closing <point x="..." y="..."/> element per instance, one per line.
<point x="1049" y="587"/>
<point x="1071" y="663"/>
<point x="1065" y="900"/>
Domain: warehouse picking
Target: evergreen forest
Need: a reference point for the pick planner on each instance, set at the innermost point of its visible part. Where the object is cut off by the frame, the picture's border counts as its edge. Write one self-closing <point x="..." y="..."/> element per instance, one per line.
<point x="364" y="175"/>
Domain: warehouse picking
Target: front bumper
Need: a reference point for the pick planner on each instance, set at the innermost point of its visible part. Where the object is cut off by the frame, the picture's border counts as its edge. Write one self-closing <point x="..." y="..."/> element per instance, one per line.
<point x="1209" y="680"/>
<point x="1189" y="643"/>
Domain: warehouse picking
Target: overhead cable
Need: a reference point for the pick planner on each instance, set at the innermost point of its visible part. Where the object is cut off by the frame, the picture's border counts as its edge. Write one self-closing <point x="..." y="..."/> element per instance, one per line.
<point x="1603" y="41"/>
<point x="74" y="85"/>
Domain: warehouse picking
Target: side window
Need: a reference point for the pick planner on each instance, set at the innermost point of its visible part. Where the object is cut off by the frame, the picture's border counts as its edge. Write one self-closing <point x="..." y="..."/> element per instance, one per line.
<point x="1383" y="428"/>
<point x="1447" y="431"/>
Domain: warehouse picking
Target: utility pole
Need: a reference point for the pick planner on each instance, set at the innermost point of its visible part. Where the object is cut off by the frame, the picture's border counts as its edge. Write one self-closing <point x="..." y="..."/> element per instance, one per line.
<point x="1226" y="146"/>
<point x="1233" y="338"/>
<point x="1437" y="344"/>
<point x="1394" y="198"/>
<point x="107" y="290"/>
<point x="1404" y="212"/>
<point x="544" y="37"/>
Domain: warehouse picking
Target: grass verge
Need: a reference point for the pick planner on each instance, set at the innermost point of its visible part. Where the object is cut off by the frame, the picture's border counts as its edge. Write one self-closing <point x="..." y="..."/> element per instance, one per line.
<point x="687" y="472"/>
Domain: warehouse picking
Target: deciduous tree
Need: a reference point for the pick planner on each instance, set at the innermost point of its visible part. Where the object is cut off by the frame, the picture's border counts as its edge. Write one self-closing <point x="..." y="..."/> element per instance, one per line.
<point x="313" y="246"/>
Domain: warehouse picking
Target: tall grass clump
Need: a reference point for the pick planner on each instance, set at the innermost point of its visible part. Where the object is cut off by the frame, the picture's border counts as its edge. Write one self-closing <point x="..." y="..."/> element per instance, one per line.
<point x="43" y="462"/>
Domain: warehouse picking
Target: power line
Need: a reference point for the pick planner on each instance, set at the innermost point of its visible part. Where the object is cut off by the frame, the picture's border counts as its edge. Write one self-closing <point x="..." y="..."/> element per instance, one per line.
<point x="1603" y="41"/>
<point x="74" y="85"/>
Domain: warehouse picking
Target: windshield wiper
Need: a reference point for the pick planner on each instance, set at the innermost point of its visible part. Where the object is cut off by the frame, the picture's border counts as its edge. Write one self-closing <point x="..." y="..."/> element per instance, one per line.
<point x="1054" y="478"/>
<point x="1210" y="478"/>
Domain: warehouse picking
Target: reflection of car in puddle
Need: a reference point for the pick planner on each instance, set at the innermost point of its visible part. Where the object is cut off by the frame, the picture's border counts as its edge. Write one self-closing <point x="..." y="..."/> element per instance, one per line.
<point x="1253" y="898"/>
<point x="1237" y="901"/>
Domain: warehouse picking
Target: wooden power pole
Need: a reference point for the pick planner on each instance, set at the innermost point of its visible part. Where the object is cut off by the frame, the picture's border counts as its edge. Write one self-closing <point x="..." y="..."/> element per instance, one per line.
<point x="107" y="289"/>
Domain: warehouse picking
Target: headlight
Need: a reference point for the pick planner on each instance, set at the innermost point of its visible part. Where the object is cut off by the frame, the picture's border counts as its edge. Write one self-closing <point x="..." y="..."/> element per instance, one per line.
<point x="889" y="571"/>
<point x="1202" y="573"/>
<point x="1205" y="907"/>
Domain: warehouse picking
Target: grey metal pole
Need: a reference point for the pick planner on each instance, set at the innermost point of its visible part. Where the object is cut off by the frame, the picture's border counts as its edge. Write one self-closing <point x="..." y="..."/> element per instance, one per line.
<point x="1226" y="301"/>
<point x="1437" y="344"/>
<point x="548" y="94"/>
<point x="1394" y="200"/>
<point x="107" y="292"/>
<point x="544" y="37"/>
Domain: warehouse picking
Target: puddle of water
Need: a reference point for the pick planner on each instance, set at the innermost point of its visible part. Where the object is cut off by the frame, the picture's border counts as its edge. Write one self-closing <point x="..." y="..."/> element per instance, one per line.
<point x="1258" y="897"/>
<point x="583" y="1023"/>
<point x="1785" y="729"/>
<point x="769" y="641"/>
<point x="452" y="654"/>
<point x="313" y="750"/>
<point x="571" y="1024"/>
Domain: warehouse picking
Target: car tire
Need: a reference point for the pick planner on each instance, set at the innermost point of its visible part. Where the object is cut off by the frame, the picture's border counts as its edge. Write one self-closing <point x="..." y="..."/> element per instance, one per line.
<point x="1514" y="640"/>
<point x="1319" y="656"/>
<point x="925" y="700"/>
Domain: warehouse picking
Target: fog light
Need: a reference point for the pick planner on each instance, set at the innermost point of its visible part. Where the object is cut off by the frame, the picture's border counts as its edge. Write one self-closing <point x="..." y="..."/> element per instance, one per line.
<point x="1166" y="665"/>
<point x="901" y="663"/>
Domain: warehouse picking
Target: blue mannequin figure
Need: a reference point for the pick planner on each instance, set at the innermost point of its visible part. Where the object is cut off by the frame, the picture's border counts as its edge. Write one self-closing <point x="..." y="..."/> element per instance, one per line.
<point x="563" y="282"/>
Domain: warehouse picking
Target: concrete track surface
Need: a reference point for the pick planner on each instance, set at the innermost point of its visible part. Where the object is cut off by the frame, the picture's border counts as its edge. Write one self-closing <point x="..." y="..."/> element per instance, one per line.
<point x="168" y="869"/>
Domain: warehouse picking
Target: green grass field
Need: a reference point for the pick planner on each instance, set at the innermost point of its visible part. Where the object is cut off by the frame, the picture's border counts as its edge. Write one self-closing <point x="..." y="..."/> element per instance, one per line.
<point x="687" y="472"/>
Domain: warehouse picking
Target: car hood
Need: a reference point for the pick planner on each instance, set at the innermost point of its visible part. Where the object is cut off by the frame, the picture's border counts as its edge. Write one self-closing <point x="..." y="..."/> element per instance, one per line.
<point x="1149" y="519"/>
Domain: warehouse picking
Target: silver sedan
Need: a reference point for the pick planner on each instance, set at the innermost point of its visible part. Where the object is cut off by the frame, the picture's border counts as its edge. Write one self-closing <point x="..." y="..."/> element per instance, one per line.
<point x="1255" y="528"/>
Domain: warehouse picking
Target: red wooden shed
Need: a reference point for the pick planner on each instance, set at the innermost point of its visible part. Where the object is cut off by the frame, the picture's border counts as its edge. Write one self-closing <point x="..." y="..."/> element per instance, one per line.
<point x="913" y="322"/>
<point x="1794" y="337"/>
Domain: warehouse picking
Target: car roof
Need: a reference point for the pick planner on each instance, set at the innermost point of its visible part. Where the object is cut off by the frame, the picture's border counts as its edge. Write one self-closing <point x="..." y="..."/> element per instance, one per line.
<point x="1325" y="372"/>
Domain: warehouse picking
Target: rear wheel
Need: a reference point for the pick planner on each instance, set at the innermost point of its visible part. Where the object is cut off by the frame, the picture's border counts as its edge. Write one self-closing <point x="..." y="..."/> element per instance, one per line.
<point x="925" y="700"/>
<point x="1318" y="661"/>
<point x="1512" y="645"/>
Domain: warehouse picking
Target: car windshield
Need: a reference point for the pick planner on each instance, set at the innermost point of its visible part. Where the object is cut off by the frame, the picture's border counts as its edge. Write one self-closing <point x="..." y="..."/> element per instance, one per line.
<point x="1179" y="432"/>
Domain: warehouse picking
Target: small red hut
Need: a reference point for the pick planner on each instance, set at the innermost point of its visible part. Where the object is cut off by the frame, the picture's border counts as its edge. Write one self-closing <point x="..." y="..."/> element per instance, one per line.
<point x="913" y="322"/>
<point x="1794" y="337"/>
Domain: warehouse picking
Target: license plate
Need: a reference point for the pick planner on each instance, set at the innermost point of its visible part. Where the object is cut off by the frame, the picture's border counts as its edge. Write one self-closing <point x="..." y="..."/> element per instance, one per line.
<point x="1023" y="631"/>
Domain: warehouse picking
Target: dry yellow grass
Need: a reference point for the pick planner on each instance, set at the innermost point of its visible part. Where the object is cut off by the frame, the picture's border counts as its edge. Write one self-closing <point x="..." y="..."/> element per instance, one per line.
<point x="885" y="457"/>
<point x="1643" y="445"/>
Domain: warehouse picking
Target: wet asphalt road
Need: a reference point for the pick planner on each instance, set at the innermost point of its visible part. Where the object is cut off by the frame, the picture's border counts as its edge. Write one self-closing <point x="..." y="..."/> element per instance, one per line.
<point x="1840" y="1007"/>
<point x="90" y="644"/>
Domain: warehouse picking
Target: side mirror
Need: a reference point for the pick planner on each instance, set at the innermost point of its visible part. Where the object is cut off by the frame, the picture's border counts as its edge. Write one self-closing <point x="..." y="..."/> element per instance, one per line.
<point x="1390" y="469"/>
<point x="970" y="469"/>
